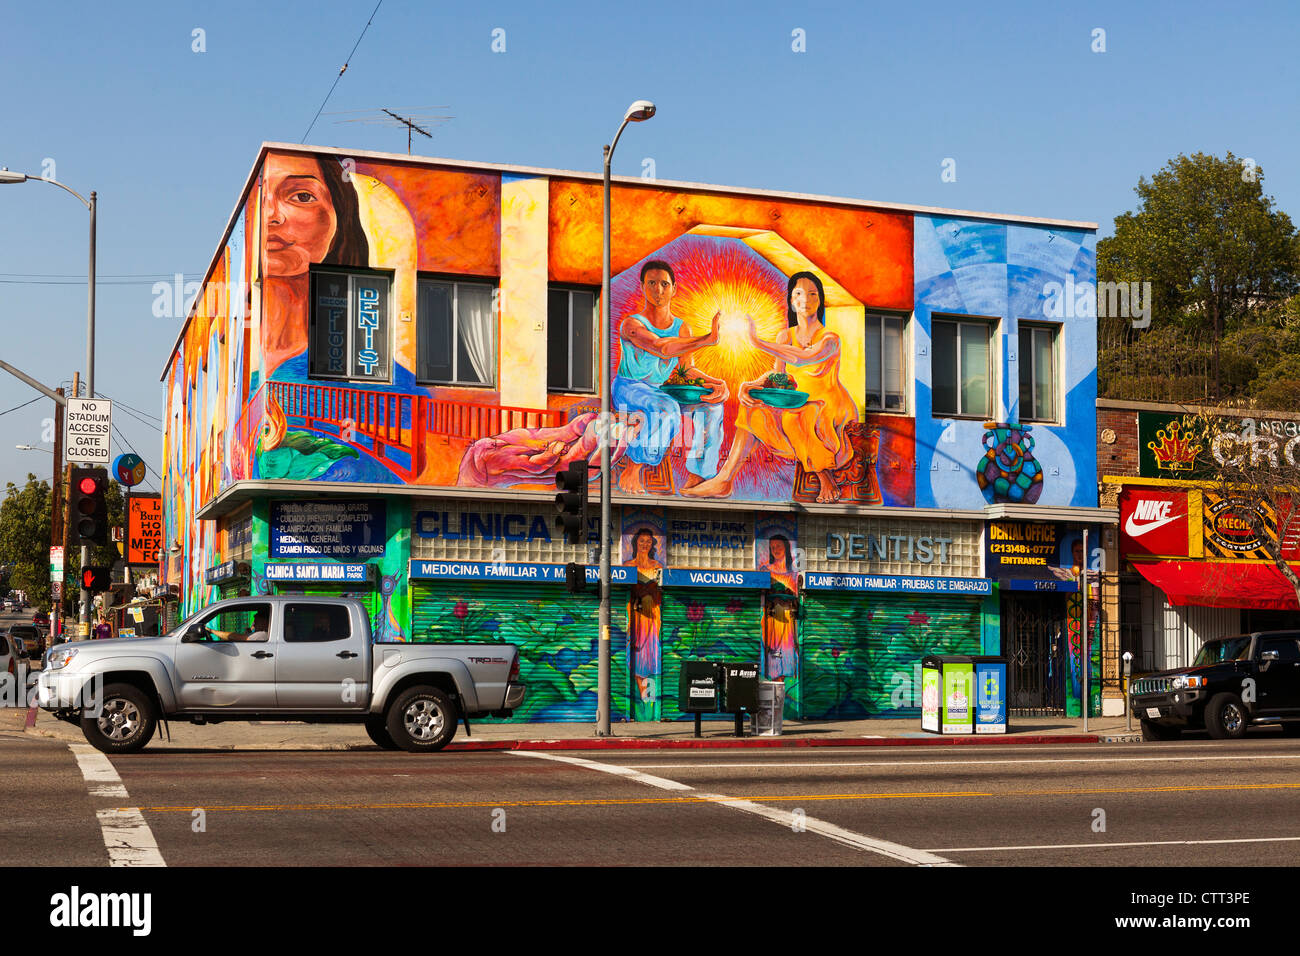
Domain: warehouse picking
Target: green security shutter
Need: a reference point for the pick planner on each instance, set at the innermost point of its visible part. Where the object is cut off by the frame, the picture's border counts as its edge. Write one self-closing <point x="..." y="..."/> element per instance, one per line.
<point x="861" y="652"/>
<point x="555" y="631"/>
<point x="706" y="623"/>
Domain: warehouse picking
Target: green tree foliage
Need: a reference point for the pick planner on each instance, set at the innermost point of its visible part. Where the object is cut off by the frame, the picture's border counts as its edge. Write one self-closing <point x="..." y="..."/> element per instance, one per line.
<point x="25" y="539"/>
<point x="1222" y="261"/>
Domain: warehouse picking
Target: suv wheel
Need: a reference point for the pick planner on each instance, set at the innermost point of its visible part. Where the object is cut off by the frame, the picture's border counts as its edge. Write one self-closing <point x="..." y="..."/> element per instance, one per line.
<point x="1225" y="717"/>
<point x="125" y="722"/>
<point x="421" y="719"/>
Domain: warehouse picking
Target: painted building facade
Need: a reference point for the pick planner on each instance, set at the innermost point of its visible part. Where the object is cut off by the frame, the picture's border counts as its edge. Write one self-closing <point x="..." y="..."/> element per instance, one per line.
<point x="1185" y="567"/>
<point x="846" y="434"/>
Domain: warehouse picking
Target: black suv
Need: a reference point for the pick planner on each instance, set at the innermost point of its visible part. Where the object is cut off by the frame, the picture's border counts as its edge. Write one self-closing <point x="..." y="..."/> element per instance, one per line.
<point x="1233" y="683"/>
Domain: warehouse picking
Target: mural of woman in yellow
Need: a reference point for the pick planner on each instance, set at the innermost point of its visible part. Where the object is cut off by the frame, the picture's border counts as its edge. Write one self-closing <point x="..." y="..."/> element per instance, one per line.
<point x="645" y="613"/>
<point x="812" y="433"/>
<point x="780" y="652"/>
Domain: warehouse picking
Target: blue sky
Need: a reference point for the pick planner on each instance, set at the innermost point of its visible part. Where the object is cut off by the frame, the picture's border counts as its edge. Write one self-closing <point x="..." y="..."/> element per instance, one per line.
<point x="1036" y="122"/>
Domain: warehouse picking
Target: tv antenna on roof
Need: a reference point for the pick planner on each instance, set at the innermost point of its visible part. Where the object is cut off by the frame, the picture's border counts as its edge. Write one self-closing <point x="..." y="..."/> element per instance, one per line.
<point x="415" y="122"/>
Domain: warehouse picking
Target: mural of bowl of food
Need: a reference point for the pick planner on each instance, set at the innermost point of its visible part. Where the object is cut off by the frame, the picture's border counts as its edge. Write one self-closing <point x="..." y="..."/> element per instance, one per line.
<point x="684" y="388"/>
<point x="778" y="391"/>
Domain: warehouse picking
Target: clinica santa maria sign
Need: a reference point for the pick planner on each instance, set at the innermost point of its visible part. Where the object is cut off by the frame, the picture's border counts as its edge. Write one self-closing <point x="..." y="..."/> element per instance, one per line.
<point x="88" y="425"/>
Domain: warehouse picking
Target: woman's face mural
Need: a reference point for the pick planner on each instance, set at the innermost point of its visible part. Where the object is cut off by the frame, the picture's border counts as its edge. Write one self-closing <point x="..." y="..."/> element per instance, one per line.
<point x="300" y="220"/>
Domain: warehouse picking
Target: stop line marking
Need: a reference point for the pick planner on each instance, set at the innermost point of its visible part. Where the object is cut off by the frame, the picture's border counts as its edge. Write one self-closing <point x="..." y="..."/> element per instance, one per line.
<point x="786" y="818"/>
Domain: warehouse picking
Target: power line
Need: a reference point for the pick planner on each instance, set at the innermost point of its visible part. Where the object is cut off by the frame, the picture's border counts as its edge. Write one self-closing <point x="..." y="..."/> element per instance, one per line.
<point x="23" y="405"/>
<point x="342" y="71"/>
<point x="134" y="409"/>
<point x="121" y="440"/>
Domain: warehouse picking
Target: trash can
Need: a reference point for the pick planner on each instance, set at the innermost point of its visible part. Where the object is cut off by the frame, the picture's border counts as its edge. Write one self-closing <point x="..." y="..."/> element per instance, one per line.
<point x="963" y="695"/>
<point x="771" y="708"/>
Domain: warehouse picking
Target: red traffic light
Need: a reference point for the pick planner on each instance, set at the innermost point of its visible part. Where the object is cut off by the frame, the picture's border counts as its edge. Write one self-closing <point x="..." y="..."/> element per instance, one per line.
<point x="88" y="485"/>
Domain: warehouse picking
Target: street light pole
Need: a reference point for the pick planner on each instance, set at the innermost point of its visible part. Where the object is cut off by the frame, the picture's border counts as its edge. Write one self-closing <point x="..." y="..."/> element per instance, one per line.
<point x="638" y="112"/>
<point x="91" y="204"/>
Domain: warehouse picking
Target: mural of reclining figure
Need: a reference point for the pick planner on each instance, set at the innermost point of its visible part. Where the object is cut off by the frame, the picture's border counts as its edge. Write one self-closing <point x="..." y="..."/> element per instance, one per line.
<point x="534" y="455"/>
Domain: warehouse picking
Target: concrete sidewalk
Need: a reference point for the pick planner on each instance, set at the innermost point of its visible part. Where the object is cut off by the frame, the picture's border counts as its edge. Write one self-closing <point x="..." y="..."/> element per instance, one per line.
<point x="625" y="736"/>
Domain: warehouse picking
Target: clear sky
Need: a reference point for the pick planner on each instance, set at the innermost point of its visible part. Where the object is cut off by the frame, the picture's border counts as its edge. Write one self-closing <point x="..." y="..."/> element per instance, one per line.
<point x="115" y="98"/>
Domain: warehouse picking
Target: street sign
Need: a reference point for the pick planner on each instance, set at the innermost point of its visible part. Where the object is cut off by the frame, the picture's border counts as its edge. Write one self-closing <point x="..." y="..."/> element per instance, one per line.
<point x="89" y="425"/>
<point x="56" y="563"/>
<point x="129" y="470"/>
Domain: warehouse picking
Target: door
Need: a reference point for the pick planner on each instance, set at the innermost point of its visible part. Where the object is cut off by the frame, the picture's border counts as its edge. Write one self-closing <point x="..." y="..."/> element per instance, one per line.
<point x="1034" y="641"/>
<point x="322" y="664"/>
<point x="233" y="666"/>
<point x="1279" y="680"/>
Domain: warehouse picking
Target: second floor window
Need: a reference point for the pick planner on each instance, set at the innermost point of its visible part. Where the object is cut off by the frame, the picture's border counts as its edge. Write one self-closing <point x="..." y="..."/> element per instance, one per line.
<point x="884" y="347"/>
<point x="962" y="368"/>
<point x="456" y="333"/>
<point x="1037" y="373"/>
<point x="348" y="335"/>
<point x="570" y="349"/>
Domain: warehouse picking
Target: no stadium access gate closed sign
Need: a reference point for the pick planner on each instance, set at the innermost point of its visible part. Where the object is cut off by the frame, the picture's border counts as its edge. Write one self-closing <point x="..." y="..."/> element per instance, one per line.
<point x="88" y="425"/>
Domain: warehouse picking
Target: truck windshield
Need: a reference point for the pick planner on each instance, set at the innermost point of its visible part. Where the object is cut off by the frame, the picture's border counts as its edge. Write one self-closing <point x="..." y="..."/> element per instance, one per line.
<point x="1228" y="649"/>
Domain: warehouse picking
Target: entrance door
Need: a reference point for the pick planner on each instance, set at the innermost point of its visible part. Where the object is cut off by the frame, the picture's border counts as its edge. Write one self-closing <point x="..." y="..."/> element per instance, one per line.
<point x="1035" y="642"/>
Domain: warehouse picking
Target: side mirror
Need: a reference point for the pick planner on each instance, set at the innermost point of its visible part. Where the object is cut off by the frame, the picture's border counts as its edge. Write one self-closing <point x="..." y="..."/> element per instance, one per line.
<point x="1269" y="656"/>
<point x="195" y="635"/>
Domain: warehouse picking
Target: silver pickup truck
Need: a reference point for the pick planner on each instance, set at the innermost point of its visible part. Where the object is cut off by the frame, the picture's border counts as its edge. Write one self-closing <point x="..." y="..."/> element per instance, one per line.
<point x="280" y="657"/>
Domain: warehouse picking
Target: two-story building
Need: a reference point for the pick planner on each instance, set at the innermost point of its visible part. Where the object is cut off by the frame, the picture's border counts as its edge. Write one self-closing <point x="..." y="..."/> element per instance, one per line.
<point x="848" y="434"/>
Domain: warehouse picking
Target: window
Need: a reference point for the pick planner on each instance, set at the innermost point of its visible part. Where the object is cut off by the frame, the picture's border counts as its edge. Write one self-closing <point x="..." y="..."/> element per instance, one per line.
<point x="238" y="622"/>
<point x="456" y="337"/>
<point x="349" y="334"/>
<point x="570" y="352"/>
<point x="1288" y="649"/>
<point x="316" y="623"/>
<point x="961" y="368"/>
<point x="1037" y="373"/>
<point x="885" y="364"/>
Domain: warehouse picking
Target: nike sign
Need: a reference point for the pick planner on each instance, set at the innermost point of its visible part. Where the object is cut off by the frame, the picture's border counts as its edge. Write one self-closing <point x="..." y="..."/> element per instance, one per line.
<point x="1135" y="529"/>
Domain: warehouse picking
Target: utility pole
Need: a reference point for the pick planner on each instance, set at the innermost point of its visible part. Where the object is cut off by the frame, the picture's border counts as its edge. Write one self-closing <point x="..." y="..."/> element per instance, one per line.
<point x="57" y="503"/>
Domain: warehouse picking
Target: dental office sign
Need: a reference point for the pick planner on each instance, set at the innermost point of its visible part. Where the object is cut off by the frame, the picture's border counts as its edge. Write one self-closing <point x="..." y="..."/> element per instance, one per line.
<point x="350" y="337"/>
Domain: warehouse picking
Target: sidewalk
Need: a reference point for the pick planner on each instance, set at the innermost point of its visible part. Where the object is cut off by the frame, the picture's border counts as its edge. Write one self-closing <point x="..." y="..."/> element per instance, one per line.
<point x="625" y="736"/>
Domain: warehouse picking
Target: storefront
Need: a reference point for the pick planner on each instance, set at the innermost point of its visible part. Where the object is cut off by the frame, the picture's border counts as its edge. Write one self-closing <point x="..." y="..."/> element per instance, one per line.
<point x="1037" y="567"/>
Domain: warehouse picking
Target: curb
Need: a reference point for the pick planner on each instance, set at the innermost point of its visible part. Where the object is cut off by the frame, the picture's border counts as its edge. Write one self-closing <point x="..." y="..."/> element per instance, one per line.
<point x="636" y="743"/>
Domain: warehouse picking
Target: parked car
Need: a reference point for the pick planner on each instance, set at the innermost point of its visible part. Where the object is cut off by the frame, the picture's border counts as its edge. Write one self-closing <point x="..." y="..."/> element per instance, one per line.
<point x="281" y="657"/>
<point x="41" y="619"/>
<point x="33" y="638"/>
<point x="1233" y="683"/>
<point x="8" y="663"/>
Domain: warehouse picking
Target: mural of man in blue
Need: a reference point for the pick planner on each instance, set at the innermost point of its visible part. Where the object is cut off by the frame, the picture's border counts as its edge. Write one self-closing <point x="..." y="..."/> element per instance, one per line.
<point x="653" y="346"/>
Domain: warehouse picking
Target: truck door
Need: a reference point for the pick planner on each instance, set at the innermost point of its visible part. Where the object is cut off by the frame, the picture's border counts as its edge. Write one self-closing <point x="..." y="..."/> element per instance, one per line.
<point x="232" y="666"/>
<point x="323" y="663"/>
<point x="1279" y="680"/>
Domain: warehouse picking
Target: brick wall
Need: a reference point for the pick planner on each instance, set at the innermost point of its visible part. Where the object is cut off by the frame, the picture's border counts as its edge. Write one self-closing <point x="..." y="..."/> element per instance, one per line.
<point x="1121" y="456"/>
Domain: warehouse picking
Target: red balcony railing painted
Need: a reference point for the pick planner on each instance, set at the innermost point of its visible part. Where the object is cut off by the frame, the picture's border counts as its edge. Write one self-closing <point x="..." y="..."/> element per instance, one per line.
<point x="394" y="427"/>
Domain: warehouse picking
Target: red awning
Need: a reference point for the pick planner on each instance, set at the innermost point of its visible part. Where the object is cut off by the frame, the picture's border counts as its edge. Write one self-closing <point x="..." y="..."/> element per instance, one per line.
<point x="1222" y="584"/>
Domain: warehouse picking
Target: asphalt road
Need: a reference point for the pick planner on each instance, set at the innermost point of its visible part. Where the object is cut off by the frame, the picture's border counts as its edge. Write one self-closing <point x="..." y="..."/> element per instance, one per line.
<point x="1202" y="803"/>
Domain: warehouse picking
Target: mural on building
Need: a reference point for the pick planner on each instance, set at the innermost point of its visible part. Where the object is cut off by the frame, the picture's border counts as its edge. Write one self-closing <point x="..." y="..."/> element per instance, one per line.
<point x="776" y="543"/>
<point x="644" y="547"/>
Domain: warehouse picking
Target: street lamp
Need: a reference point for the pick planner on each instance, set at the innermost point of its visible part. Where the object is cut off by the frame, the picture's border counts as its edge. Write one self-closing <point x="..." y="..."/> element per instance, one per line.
<point x="638" y="112"/>
<point x="9" y="176"/>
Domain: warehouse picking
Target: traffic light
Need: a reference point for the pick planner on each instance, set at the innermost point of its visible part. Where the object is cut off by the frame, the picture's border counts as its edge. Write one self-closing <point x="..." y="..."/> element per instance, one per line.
<point x="87" y="510"/>
<point x="571" y="503"/>
<point x="575" y="578"/>
<point x="96" y="579"/>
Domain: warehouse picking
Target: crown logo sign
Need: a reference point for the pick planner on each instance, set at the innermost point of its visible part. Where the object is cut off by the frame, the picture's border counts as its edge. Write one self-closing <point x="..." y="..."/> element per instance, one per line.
<point x="1176" y="449"/>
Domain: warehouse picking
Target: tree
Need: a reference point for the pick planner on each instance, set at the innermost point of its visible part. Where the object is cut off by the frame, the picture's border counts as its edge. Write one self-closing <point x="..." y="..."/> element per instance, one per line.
<point x="25" y="539"/>
<point x="1212" y="245"/>
<point x="1253" y="473"/>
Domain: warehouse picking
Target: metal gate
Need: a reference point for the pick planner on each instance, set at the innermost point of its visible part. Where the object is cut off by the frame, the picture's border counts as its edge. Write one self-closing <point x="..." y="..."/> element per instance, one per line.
<point x="1035" y="642"/>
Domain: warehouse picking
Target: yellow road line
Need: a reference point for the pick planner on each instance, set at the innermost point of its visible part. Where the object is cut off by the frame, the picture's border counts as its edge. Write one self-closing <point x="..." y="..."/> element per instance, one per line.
<point x="642" y="801"/>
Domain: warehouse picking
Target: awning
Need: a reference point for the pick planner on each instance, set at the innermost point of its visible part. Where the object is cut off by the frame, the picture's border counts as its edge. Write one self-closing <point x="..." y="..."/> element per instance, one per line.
<point x="1222" y="584"/>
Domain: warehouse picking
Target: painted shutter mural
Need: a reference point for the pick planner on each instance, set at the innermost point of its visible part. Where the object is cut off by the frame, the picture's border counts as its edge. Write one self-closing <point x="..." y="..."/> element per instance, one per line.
<point x="706" y="623"/>
<point x="861" y="653"/>
<point x="554" y="630"/>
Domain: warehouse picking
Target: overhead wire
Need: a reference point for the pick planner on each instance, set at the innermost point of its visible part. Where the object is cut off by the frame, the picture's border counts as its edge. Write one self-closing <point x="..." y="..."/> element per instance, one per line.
<point x="342" y="71"/>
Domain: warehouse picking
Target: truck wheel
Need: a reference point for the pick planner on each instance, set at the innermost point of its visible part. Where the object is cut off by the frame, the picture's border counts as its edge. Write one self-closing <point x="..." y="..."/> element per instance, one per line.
<point x="1153" y="731"/>
<point x="421" y="720"/>
<point x="377" y="732"/>
<point x="1225" y="717"/>
<point x="125" y="723"/>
